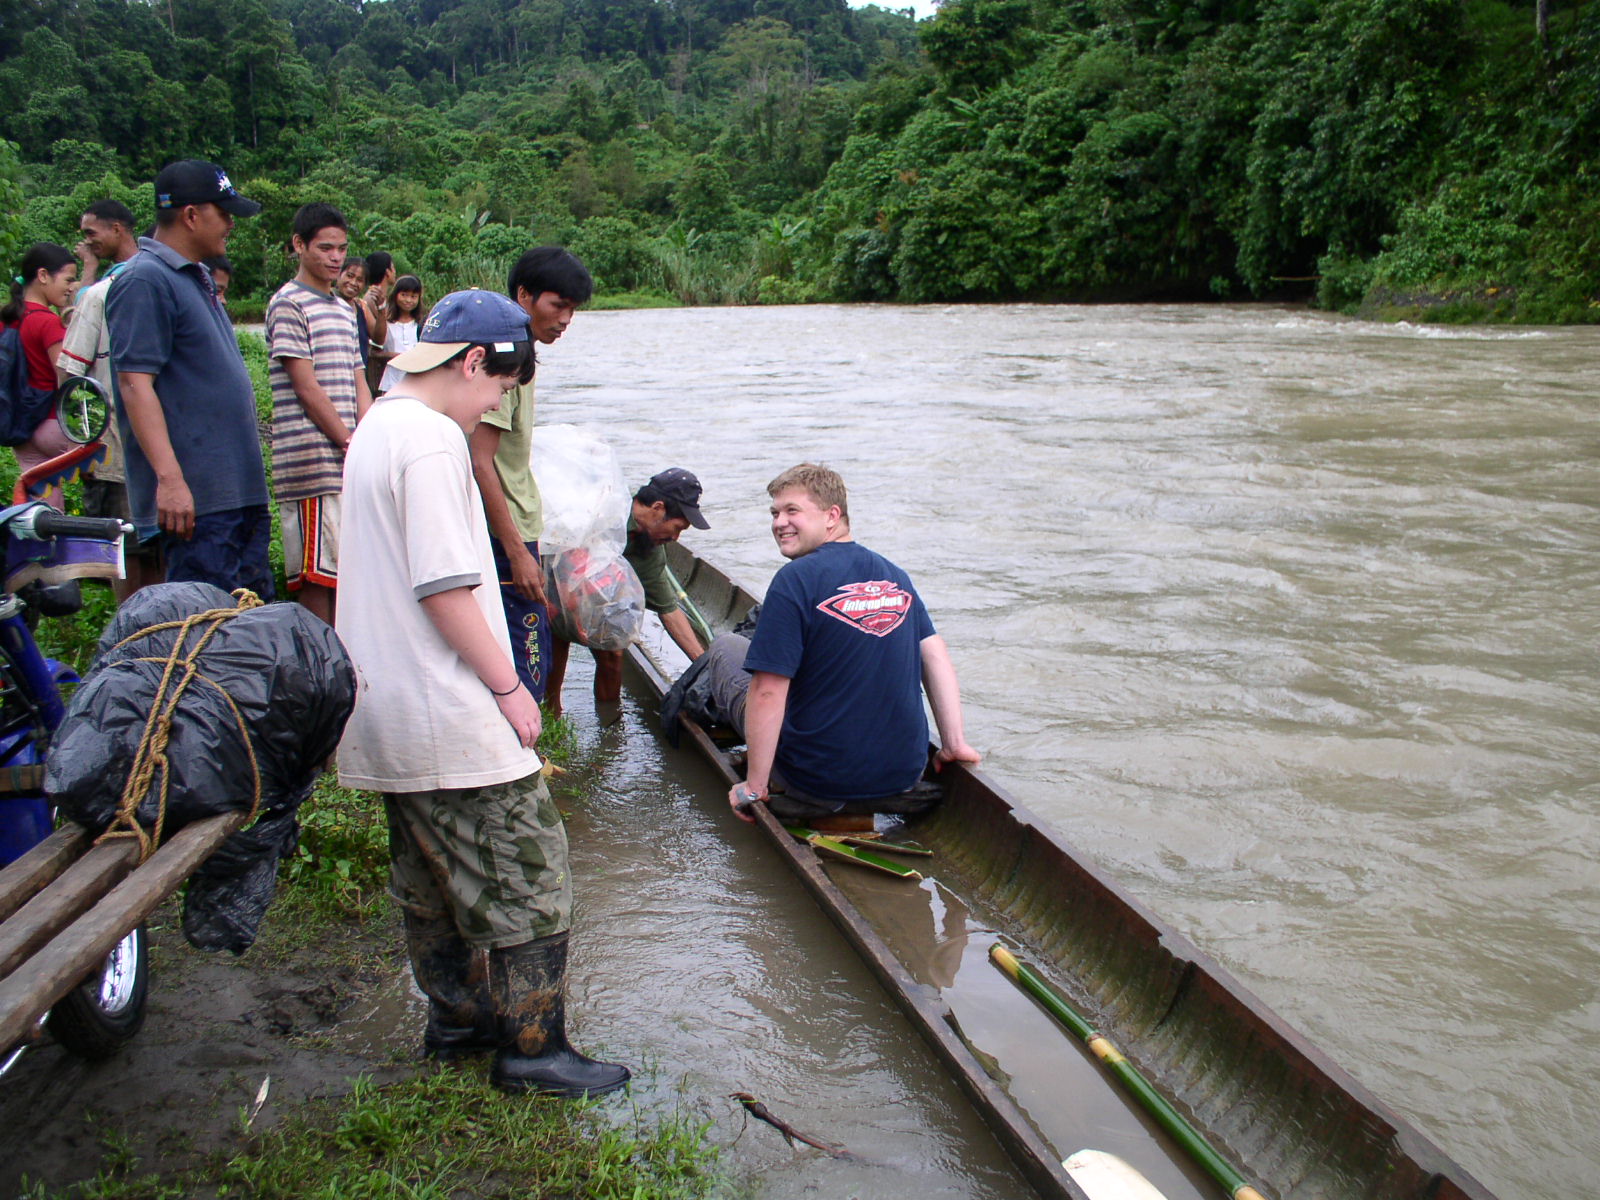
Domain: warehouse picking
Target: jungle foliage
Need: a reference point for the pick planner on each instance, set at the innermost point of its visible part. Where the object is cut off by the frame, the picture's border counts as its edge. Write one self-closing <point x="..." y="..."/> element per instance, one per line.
<point x="1398" y="154"/>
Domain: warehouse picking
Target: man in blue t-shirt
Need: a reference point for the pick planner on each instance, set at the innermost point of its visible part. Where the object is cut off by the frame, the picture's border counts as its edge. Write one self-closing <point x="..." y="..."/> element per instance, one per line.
<point x="830" y="699"/>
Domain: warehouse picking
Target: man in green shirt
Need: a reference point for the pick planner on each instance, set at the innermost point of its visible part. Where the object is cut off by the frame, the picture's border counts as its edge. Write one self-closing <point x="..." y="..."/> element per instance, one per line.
<point x="550" y="284"/>
<point x="662" y="510"/>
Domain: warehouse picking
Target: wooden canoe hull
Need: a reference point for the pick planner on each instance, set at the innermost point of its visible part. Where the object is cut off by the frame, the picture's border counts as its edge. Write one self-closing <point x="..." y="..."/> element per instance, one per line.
<point x="1280" y="1108"/>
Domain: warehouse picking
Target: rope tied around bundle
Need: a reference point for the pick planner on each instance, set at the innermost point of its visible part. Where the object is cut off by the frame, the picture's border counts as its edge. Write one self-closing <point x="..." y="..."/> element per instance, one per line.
<point x="181" y="668"/>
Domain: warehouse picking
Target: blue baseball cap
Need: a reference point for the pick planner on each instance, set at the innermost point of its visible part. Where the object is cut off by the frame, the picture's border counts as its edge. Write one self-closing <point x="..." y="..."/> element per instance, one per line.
<point x="465" y="319"/>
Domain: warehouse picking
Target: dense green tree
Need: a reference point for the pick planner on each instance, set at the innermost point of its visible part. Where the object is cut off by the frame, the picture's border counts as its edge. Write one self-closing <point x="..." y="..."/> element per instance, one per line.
<point x="11" y="235"/>
<point x="797" y="149"/>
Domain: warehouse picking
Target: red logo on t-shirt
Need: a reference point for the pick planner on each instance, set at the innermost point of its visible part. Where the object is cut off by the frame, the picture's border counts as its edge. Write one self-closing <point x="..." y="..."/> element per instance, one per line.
<point x="876" y="608"/>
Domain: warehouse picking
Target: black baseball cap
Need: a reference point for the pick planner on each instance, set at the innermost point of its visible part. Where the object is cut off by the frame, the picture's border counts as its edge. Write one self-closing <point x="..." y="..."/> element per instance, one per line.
<point x="191" y="181"/>
<point x="683" y="489"/>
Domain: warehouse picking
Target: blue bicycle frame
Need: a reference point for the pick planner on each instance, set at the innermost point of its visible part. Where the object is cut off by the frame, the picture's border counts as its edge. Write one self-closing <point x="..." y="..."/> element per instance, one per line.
<point x="30" y="710"/>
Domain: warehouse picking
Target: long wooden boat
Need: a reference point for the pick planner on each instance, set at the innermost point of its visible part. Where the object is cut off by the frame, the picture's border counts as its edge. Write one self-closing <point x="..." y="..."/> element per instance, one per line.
<point x="1297" y="1124"/>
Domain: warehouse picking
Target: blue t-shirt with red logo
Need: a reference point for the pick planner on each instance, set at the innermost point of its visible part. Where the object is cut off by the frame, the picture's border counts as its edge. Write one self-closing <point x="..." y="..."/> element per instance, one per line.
<point x="845" y="627"/>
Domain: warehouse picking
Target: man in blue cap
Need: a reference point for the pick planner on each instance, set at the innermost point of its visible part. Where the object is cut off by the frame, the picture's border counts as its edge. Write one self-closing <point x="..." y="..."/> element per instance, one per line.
<point x="185" y="403"/>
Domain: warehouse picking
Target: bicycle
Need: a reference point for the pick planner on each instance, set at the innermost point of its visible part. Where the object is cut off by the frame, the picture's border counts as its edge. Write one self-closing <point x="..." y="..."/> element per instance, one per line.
<point x="45" y="553"/>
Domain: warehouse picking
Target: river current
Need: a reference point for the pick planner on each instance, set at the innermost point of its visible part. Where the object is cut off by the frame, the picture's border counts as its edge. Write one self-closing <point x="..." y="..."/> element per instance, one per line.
<point x="1285" y="620"/>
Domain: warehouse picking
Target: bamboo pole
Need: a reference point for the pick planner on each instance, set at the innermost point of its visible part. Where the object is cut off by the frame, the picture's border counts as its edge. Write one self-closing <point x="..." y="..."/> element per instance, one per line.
<point x="1153" y="1102"/>
<point x="702" y="628"/>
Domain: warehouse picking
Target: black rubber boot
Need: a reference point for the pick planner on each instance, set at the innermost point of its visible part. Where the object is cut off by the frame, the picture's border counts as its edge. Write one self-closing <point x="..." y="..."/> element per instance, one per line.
<point x="528" y="986"/>
<point x="455" y="978"/>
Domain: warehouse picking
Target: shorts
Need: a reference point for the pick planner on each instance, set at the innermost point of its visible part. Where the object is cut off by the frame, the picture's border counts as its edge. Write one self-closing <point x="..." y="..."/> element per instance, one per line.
<point x="311" y="541"/>
<point x="494" y="859"/>
<point x="109" y="498"/>
<point x="229" y="549"/>
<point x="528" y="624"/>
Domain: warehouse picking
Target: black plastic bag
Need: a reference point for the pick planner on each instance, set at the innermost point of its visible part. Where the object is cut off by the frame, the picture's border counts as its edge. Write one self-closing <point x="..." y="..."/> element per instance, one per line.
<point x="228" y="896"/>
<point x="274" y="685"/>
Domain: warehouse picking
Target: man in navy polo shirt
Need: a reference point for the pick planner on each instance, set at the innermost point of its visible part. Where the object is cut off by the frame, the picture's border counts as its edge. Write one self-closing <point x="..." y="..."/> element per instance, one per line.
<point x="828" y="691"/>
<point x="184" y="398"/>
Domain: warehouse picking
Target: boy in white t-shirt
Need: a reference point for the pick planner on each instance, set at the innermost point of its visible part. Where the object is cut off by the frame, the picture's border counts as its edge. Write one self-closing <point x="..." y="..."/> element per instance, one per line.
<point x="443" y="726"/>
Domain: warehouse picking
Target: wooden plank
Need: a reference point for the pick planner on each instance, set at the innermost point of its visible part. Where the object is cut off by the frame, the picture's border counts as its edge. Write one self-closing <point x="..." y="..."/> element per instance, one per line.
<point x="22" y="879"/>
<point x="71" y="894"/>
<point x="82" y="947"/>
<point x="27" y="778"/>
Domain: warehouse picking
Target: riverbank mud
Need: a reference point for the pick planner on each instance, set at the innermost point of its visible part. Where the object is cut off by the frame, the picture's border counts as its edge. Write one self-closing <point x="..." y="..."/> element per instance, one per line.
<point x="217" y="1027"/>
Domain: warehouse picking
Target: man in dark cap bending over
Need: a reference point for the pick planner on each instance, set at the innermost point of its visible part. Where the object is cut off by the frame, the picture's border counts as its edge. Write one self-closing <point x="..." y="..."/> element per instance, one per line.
<point x="662" y="510"/>
<point x="828" y="690"/>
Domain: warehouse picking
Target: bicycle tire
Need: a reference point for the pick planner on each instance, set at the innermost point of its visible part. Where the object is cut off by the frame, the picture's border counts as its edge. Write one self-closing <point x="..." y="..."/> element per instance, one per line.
<point x="104" y="1011"/>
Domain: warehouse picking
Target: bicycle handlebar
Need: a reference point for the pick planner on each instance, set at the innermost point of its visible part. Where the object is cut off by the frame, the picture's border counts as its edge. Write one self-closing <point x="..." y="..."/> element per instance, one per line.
<point x="51" y="524"/>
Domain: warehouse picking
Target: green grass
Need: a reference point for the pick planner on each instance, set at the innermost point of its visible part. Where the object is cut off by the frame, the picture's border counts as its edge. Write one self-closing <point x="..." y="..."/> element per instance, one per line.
<point x="441" y="1134"/>
<point x="559" y="741"/>
<point x="340" y="869"/>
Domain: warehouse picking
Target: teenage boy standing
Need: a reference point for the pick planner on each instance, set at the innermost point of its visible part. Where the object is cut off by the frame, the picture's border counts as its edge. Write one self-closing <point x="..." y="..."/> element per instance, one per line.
<point x="550" y="284"/>
<point x="319" y="392"/>
<point x="443" y="726"/>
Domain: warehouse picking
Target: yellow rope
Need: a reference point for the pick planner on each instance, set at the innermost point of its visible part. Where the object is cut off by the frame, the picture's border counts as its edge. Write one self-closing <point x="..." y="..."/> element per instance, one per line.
<point x="152" y="753"/>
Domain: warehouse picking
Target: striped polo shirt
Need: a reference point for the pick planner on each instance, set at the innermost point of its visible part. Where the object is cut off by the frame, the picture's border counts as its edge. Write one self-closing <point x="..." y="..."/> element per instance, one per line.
<point x="305" y="323"/>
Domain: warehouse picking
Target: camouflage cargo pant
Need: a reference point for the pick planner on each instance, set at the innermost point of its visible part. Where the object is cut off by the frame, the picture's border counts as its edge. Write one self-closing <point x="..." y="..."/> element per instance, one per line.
<point x="492" y="858"/>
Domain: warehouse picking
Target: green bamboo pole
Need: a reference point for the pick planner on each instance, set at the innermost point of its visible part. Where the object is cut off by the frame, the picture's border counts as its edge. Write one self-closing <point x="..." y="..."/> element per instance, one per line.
<point x="823" y="844"/>
<point x="697" y="622"/>
<point x="1186" y="1135"/>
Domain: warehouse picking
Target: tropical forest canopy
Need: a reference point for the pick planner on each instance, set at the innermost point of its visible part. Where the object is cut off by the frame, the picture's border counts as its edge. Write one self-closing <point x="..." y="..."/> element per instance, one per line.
<point x="1392" y="152"/>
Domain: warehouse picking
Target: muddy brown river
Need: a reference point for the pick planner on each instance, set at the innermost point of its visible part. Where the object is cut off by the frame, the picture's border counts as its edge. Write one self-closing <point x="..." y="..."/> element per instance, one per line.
<point x="1286" y="620"/>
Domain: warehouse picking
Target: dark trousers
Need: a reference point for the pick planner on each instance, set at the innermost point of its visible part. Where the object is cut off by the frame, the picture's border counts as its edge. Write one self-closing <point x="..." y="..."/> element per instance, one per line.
<point x="229" y="549"/>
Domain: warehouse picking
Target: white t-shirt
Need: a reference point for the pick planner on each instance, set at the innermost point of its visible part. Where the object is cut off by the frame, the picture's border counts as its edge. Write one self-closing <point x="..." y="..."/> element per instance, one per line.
<point x="413" y="526"/>
<point x="401" y="337"/>
<point x="87" y="351"/>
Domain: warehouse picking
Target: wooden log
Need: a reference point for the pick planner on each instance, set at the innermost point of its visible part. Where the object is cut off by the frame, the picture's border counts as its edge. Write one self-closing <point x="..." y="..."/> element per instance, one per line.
<point x="23" y="879"/>
<point x="27" y="778"/>
<point x="82" y="947"/>
<point x="71" y="894"/>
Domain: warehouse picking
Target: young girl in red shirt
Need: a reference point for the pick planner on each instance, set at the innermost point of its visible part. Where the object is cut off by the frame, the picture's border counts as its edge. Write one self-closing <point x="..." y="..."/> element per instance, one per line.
<point x="41" y="288"/>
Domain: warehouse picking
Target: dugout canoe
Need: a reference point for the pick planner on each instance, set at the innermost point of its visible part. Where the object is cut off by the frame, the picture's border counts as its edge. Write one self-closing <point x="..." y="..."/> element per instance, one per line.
<point x="1295" y="1123"/>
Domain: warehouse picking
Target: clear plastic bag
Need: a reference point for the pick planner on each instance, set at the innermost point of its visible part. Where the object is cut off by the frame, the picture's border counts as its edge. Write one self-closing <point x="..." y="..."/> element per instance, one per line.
<point x="599" y="601"/>
<point x="586" y="502"/>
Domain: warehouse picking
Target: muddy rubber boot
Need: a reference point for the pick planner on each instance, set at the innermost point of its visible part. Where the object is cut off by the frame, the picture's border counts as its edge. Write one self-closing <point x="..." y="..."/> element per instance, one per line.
<point x="528" y="986"/>
<point x="455" y="980"/>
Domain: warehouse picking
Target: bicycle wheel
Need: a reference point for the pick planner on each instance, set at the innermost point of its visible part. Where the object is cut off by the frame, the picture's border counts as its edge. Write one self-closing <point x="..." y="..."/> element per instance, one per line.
<point x="83" y="410"/>
<point x="106" y="1009"/>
